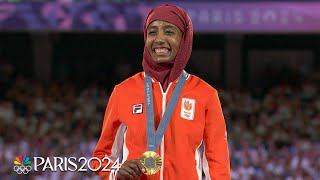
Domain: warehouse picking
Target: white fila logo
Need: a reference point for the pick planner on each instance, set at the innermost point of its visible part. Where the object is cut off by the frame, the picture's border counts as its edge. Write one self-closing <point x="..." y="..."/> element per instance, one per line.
<point x="137" y="109"/>
<point x="187" y="108"/>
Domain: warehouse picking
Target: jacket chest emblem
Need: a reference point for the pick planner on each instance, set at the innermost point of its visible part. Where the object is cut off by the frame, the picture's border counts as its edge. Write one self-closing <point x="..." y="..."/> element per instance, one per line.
<point x="137" y="108"/>
<point x="187" y="108"/>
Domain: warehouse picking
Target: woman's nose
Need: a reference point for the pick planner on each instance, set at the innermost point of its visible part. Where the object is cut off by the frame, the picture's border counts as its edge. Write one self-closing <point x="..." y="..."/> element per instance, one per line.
<point x="159" y="38"/>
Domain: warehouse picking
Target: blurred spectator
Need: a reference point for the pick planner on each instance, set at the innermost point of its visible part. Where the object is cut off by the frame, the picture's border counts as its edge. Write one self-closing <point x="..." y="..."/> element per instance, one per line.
<point x="6" y="74"/>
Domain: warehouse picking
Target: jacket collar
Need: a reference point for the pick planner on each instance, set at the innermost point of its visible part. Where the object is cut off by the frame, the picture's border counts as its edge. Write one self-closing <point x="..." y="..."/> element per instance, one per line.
<point x="187" y="75"/>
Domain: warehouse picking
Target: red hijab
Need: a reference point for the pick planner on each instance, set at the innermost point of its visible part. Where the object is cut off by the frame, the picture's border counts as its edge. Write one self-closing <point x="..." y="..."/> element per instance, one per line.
<point x="168" y="72"/>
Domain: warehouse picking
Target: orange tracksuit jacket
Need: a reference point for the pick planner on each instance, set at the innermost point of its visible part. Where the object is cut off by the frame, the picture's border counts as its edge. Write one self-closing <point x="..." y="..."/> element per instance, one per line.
<point x="194" y="142"/>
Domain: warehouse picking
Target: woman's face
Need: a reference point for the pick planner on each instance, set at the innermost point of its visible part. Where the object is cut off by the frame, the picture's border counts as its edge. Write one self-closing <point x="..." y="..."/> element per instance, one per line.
<point x="163" y="41"/>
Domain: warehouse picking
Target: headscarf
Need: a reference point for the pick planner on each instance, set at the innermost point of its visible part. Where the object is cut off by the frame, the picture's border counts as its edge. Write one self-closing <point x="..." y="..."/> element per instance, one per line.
<point x="168" y="72"/>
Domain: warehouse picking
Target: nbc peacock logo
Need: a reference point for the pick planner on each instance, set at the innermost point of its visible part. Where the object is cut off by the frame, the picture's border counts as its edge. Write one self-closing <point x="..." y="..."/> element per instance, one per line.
<point x="22" y="164"/>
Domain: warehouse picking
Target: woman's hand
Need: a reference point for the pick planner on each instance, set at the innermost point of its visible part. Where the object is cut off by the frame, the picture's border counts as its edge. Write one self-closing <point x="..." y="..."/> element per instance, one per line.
<point x="131" y="169"/>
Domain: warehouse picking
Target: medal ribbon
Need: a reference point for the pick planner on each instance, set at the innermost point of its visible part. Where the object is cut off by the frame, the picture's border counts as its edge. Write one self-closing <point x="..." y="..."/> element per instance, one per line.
<point x="154" y="137"/>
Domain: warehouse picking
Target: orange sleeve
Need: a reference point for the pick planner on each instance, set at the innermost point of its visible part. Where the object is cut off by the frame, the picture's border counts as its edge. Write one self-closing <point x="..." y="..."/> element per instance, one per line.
<point x="216" y="163"/>
<point x="107" y="144"/>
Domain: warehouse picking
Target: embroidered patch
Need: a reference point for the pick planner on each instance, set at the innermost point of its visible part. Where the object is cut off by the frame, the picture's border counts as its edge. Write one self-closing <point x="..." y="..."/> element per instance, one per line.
<point x="187" y="108"/>
<point x="137" y="108"/>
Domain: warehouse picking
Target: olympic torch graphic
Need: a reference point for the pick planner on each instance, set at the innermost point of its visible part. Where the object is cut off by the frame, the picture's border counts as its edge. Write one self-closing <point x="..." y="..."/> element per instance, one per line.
<point x="22" y="164"/>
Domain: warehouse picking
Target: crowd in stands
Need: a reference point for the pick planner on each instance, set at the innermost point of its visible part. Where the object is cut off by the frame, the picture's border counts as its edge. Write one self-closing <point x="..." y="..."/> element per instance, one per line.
<point x="273" y="136"/>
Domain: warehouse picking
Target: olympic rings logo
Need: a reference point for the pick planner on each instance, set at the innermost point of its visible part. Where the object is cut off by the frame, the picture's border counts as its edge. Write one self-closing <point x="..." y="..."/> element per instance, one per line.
<point x="19" y="169"/>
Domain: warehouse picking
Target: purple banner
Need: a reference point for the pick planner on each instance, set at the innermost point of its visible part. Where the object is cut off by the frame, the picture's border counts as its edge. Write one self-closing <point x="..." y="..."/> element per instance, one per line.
<point x="255" y="17"/>
<point x="206" y="17"/>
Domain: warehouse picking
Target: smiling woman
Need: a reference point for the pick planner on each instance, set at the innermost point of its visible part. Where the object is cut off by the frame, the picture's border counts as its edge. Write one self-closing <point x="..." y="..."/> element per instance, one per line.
<point x="167" y="20"/>
<point x="163" y="41"/>
<point x="165" y="123"/>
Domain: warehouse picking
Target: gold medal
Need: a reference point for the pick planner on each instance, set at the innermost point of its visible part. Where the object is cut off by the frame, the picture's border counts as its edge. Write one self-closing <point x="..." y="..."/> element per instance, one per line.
<point x="151" y="161"/>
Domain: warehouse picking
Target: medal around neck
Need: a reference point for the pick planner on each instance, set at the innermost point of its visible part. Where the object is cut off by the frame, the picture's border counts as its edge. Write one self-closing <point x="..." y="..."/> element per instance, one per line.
<point x="151" y="161"/>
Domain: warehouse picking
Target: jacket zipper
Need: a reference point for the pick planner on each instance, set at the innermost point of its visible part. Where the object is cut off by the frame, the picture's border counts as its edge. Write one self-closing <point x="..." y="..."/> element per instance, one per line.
<point x="164" y="98"/>
<point x="164" y="102"/>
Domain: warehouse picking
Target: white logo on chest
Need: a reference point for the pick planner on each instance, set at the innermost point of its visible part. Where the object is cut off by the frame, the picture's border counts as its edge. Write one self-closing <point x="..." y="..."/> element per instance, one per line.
<point x="137" y="109"/>
<point x="187" y="108"/>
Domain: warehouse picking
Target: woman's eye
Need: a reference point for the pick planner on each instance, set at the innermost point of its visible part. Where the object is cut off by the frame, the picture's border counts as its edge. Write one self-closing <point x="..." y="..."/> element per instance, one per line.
<point x="151" y="32"/>
<point x="169" y="32"/>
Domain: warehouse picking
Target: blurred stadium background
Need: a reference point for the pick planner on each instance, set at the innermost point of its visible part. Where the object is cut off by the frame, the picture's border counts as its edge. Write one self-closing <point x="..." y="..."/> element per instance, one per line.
<point x="59" y="62"/>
